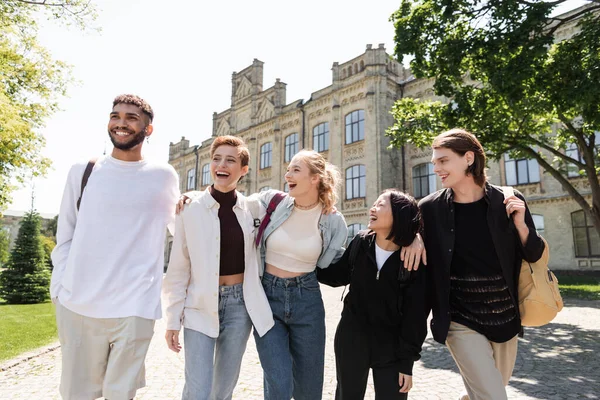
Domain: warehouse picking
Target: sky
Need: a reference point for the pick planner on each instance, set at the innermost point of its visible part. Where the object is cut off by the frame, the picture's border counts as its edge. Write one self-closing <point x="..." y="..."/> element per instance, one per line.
<point x="179" y="56"/>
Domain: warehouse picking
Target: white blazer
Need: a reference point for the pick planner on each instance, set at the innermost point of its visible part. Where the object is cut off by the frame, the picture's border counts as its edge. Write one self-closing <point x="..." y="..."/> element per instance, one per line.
<point x="191" y="285"/>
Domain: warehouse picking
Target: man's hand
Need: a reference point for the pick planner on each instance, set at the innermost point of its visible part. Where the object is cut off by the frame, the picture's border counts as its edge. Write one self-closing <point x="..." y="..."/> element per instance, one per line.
<point x="172" y="338"/>
<point x="183" y="200"/>
<point x="413" y="254"/>
<point x="405" y="382"/>
<point x="516" y="207"/>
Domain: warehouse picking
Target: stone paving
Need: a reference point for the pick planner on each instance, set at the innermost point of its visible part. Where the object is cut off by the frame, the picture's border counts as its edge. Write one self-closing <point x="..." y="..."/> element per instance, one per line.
<point x="559" y="361"/>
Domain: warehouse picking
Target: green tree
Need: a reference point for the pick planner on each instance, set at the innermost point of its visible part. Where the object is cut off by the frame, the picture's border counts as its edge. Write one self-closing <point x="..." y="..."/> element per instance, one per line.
<point x="48" y="245"/>
<point x="4" y="247"/>
<point x="26" y="279"/>
<point x="31" y="84"/>
<point x="510" y="79"/>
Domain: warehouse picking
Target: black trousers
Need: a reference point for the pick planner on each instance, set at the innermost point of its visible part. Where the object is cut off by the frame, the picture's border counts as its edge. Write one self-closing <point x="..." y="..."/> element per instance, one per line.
<point x="353" y="359"/>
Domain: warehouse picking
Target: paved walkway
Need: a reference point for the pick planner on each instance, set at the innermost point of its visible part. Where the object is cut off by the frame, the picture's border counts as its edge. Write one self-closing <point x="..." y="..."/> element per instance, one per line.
<point x="560" y="361"/>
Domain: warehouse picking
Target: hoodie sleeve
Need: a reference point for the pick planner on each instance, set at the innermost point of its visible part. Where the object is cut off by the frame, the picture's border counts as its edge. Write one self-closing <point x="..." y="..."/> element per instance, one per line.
<point x="414" y="321"/>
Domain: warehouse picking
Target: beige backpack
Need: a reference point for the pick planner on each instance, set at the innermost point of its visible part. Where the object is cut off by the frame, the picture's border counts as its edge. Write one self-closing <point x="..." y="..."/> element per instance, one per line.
<point x="539" y="296"/>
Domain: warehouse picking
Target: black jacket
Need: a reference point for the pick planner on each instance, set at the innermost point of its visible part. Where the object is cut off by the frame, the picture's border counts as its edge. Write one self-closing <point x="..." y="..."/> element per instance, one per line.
<point x="438" y="216"/>
<point x="390" y="304"/>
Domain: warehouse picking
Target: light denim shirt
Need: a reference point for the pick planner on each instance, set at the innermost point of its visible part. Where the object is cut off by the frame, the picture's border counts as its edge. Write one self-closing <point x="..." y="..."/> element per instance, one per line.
<point x="334" y="231"/>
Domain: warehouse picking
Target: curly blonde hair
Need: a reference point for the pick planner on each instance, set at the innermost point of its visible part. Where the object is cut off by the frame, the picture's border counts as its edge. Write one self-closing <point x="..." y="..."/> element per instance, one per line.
<point x="329" y="177"/>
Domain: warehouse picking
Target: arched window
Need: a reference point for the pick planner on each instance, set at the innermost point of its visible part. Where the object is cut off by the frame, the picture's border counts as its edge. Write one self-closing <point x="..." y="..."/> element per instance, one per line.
<point x="266" y="151"/>
<point x="321" y="137"/>
<point x="291" y="147"/>
<point x="350" y="71"/>
<point x="355" y="68"/>
<point x="585" y="236"/>
<point x="424" y="180"/>
<point x="362" y="65"/>
<point x="206" y="174"/>
<point x="353" y="230"/>
<point x="355" y="126"/>
<point x="356" y="184"/>
<point x="191" y="179"/>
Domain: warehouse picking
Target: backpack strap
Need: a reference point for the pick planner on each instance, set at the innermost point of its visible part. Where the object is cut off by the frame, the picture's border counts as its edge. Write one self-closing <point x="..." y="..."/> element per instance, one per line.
<point x="86" y="175"/>
<point x="275" y="200"/>
<point x="508" y="191"/>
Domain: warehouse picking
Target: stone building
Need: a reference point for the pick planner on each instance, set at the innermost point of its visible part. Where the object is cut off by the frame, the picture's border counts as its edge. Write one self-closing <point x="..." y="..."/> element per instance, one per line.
<point x="346" y="121"/>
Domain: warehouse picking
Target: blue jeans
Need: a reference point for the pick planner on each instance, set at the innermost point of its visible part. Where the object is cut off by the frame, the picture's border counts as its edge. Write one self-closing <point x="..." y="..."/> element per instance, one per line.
<point x="212" y="366"/>
<point x="292" y="353"/>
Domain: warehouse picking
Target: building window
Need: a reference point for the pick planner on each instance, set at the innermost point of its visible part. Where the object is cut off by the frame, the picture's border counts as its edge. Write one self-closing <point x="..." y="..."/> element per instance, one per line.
<point x="264" y="188"/>
<point x="321" y="137"/>
<point x="573" y="152"/>
<point x="585" y="236"/>
<point x="538" y="221"/>
<point x="206" y="174"/>
<point x="353" y="230"/>
<point x="291" y="147"/>
<point x="191" y="179"/>
<point x="266" y="151"/>
<point x="521" y="171"/>
<point x="355" y="126"/>
<point x="424" y="180"/>
<point x="286" y="187"/>
<point x="356" y="186"/>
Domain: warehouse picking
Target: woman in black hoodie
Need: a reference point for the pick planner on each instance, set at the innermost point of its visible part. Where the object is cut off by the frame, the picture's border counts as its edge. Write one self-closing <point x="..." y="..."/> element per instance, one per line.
<point x="384" y="320"/>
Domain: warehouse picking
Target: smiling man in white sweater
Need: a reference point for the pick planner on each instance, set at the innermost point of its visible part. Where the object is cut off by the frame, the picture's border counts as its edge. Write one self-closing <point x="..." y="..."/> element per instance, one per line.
<point x="108" y="261"/>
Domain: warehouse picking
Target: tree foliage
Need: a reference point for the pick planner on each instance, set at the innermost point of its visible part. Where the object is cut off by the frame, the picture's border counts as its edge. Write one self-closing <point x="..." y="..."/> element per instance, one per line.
<point x="31" y="84"/>
<point x="513" y="77"/>
<point x="4" y="247"/>
<point x="48" y="244"/>
<point x="26" y="279"/>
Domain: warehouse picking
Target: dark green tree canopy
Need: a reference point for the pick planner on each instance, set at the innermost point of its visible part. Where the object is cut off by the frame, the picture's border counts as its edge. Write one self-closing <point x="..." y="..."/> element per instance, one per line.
<point x="27" y="276"/>
<point x="525" y="81"/>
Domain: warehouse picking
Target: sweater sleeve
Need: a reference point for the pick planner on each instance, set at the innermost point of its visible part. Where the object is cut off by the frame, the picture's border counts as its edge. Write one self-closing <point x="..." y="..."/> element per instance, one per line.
<point x="534" y="248"/>
<point x="339" y="272"/>
<point x="67" y="220"/>
<point x="177" y="279"/>
<point x="414" y="321"/>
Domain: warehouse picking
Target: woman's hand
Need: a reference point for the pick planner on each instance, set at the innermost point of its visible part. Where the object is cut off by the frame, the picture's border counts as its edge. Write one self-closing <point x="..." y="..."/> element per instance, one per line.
<point x="172" y="338"/>
<point x="413" y="254"/>
<point x="405" y="382"/>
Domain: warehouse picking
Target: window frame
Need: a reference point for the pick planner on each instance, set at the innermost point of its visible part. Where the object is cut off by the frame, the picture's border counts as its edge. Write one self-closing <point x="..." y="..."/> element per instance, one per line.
<point x="431" y="177"/>
<point x="587" y="227"/>
<point x="358" y="183"/>
<point x="350" y="121"/>
<point x="266" y="155"/>
<point x="289" y="146"/>
<point x="351" y="228"/>
<point x="517" y="162"/>
<point x="321" y="137"/>
<point x="191" y="179"/>
<point x="206" y="179"/>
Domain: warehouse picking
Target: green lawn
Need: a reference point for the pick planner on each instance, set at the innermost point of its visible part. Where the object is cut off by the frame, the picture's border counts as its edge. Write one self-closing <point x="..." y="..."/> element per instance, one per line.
<point x="579" y="287"/>
<point x="25" y="327"/>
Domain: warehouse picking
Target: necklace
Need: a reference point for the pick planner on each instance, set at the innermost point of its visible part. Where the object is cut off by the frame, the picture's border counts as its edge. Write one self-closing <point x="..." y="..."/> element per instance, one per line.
<point x="306" y="207"/>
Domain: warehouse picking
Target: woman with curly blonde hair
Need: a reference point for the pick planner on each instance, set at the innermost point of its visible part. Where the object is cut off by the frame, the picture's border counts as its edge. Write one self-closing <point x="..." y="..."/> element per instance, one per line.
<point x="304" y="233"/>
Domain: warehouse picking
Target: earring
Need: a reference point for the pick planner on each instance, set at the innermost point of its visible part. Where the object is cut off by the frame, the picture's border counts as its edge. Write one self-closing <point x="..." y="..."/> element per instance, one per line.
<point x="148" y="139"/>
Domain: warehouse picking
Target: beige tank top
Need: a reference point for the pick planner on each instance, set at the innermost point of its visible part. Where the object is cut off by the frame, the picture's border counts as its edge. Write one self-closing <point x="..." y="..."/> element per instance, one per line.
<point x="296" y="245"/>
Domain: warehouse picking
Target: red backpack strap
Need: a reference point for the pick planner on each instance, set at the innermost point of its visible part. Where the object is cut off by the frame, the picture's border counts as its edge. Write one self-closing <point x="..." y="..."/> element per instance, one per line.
<point x="86" y="175"/>
<point x="275" y="200"/>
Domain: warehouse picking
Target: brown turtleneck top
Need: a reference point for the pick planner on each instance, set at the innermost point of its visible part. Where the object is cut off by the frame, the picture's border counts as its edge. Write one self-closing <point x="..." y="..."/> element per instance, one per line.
<point x="232" y="236"/>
